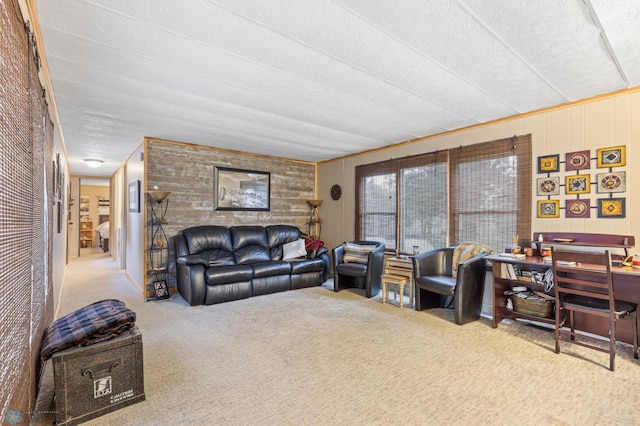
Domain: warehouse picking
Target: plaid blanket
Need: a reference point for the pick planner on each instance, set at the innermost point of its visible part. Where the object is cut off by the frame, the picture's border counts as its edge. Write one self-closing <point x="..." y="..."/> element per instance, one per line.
<point x="94" y="323"/>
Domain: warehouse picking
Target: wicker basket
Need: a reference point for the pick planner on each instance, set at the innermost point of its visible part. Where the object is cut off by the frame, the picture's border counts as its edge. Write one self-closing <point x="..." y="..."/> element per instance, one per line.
<point x="533" y="305"/>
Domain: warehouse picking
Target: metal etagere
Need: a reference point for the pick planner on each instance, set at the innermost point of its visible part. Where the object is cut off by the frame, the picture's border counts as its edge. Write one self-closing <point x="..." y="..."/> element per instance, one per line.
<point x="158" y="243"/>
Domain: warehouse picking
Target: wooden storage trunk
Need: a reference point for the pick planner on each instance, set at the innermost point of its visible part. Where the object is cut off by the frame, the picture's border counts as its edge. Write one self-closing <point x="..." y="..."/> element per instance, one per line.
<point x="98" y="379"/>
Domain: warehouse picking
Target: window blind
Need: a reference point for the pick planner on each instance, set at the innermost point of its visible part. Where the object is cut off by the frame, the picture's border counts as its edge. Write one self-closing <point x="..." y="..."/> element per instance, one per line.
<point x="479" y="192"/>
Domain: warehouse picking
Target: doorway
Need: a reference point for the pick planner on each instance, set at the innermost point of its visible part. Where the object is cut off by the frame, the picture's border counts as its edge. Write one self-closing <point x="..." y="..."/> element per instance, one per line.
<point x="94" y="214"/>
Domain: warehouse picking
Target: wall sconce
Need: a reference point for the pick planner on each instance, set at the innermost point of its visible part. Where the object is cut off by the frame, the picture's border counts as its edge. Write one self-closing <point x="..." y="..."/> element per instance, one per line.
<point x="93" y="163"/>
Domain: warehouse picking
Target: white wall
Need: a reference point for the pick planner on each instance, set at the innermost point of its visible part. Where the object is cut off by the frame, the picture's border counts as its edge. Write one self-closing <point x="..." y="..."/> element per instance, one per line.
<point x="134" y="230"/>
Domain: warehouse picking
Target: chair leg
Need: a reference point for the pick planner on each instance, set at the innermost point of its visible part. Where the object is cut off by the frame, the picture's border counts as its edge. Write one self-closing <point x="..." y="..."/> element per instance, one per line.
<point x="612" y="344"/>
<point x="558" y="328"/>
<point x="635" y="335"/>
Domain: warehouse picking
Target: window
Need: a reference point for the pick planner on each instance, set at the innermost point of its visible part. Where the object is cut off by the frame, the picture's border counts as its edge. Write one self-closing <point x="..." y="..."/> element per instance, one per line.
<point x="479" y="193"/>
<point x="377" y="219"/>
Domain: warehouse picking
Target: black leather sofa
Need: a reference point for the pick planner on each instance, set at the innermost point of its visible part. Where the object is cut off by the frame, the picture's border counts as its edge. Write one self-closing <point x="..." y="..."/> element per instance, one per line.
<point x="214" y="264"/>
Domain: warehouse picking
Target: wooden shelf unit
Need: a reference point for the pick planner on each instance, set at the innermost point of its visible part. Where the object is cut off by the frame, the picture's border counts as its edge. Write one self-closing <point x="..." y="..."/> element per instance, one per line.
<point x="86" y="234"/>
<point x="502" y="284"/>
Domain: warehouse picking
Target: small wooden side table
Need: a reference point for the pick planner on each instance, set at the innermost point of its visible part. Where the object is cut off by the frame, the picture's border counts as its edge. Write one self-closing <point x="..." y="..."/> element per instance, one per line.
<point x="400" y="281"/>
<point x="398" y="267"/>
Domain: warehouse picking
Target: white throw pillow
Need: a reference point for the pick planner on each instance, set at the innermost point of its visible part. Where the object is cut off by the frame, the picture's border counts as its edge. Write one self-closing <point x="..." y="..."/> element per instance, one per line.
<point x="293" y="249"/>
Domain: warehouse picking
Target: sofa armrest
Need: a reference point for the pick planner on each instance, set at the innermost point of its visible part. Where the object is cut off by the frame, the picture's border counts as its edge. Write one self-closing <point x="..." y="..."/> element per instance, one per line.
<point x="469" y="289"/>
<point x="323" y="253"/>
<point x="472" y="270"/>
<point x="191" y="282"/>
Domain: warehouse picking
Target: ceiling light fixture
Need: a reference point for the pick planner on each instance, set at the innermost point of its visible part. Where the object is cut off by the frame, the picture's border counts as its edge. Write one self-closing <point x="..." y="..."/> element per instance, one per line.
<point x="93" y="163"/>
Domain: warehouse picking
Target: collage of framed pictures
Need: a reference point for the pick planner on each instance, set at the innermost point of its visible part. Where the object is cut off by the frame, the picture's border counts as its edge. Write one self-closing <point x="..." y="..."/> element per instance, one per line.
<point x="579" y="183"/>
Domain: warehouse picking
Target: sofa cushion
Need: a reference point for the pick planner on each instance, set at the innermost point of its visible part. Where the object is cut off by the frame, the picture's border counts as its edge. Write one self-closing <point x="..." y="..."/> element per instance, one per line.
<point x="250" y="244"/>
<point x="243" y="236"/>
<point x="301" y="266"/>
<point x="270" y="268"/>
<point x="251" y="254"/>
<point x="278" y="235"/>
<point x="207" y="237"/>
<point x="228" y="274"/>
<point x="352" y="269"/>
<point x="438" y="284"/>
<point x="357" y="253"/>
<point x="218" y="257"/>
<point x="293" y="249"/>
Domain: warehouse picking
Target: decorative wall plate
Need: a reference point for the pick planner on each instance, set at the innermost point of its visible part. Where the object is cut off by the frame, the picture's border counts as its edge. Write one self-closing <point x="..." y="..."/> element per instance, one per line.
<point x="612" y="182"/>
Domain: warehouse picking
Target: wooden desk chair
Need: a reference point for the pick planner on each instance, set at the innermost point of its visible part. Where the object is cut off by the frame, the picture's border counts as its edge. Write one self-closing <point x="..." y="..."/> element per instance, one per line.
<point x="590" y="292"/>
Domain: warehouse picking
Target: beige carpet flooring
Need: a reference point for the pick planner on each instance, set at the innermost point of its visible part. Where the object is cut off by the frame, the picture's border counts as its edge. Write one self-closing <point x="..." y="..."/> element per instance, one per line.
<point x="316" y="357"/>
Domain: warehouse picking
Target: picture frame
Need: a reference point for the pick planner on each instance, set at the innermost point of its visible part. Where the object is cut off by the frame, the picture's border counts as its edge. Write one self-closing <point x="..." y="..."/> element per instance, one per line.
<point x="59" y="215"/>
<point x="57" y="179"/>
<point x="578" y="209"/>
<point x="611" y="182"/>
<point x="160" y="289"/>
<point x="611" y="208"/>
<point x="549" y="163"/>
<point x="614" y="156"/>
<point x="239" y="189"/>
<point x="548" y="208"/>
<point x="578" y="160"/>
<point x="548" y="186"/>
<point x="578" y="184"/>
<point x="134" y="197"/>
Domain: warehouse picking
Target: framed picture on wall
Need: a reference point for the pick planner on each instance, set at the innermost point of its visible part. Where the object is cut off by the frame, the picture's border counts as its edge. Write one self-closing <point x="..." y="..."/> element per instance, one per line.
<point x="578" y="160"/>
<point x="134" y="197"/>
<point x="237" y="189"/>
<point x="611" y="208"/>
<point x="578" y="184"/>
<point x="614" y="156"/>
<point x="549" y="163"/>
<point x="548" y="186"/>
<point x="578" y="209"/>
<point x="548" y="208"/>
<point x="612" y="182"/>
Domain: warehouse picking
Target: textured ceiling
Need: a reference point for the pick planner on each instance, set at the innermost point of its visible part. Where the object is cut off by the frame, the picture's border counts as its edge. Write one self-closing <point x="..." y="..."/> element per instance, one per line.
<point x="314" y="80"/>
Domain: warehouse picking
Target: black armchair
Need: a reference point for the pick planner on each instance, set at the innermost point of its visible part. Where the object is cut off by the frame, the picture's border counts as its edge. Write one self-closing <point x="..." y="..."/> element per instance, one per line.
<point x="358" y="264"/>
<point x="436" y="287"/>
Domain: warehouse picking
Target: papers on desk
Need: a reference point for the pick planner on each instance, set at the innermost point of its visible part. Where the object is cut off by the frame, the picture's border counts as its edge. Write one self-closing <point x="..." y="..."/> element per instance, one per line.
<point x="549" y="259"/>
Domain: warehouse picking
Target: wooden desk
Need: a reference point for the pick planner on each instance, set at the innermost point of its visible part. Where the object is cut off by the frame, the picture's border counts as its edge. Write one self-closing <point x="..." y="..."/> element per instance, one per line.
<point x="626" y="281"/>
